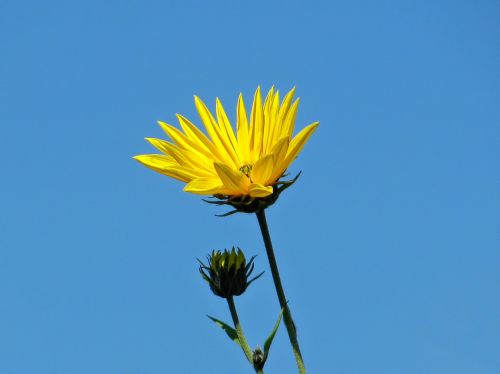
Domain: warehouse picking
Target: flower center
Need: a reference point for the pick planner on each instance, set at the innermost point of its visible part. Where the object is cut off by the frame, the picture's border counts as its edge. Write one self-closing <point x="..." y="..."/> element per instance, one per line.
<point x="246" y="169"/>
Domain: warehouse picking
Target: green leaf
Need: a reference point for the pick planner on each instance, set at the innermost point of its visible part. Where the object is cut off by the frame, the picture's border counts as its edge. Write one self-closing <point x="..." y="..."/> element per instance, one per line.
<point x="269" y="340"/>
<point x="228" y="330"/>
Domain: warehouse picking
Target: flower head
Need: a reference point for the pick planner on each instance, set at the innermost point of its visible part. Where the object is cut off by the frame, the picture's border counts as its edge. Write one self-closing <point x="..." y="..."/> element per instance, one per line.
<point x="227" y="272"/>
<point x="245" y="164"/>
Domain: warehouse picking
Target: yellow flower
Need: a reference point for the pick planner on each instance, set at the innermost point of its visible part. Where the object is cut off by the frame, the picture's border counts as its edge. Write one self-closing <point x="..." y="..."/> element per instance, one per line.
<point x="247" y="163"/>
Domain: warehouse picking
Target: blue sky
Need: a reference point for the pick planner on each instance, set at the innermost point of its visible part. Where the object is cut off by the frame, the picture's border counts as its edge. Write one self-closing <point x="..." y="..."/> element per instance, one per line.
<point x="388" y="244"/>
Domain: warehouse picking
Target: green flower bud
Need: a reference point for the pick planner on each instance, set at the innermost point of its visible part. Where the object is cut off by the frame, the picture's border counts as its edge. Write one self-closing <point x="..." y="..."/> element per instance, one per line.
<point x="227" y="272"/>
<point x="258" y="359"/>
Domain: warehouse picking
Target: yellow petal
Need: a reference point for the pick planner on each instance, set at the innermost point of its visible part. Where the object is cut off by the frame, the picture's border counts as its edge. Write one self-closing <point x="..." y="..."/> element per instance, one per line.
<point x="233" y="180"/>
<point x="266" y="124"/>
<point x="279" y="151"/>
<point x="263" y="169"/>
<point x="192" y="160"/>
<point x="206" y="186"/>
<point x="158" y="161"/>
<point x="283" y="110"/>
<point x="182" y="140"/>
<point x="166" y="165"/>
<point x="272" y="138"/>
<point x="285" y="105"/>
<point x="298" y="142"/>
<point x="243" y="135"/>
<point x="167" y="148"/>
<point x="196" y="135"/>
<point x="256" y="121"/>
<point x="259" y="190"/>
<point x="214" y="131"/>
<point x="227" y="129"/>
<point x="174" y="134"/>
<point x="196" y="152"/>
<point x="289" y="122"/>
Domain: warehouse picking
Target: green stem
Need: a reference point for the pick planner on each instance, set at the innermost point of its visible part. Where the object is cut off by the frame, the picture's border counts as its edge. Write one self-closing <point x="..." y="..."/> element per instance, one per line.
<point x="287" y="315"/>
<point x="239" y="331"/>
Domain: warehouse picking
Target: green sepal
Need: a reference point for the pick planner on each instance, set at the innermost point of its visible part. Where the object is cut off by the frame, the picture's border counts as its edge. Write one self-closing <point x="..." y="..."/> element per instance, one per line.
<point x="227" y="329"/>
<point x="269" y="340"/>
<point x="248" y="204"/>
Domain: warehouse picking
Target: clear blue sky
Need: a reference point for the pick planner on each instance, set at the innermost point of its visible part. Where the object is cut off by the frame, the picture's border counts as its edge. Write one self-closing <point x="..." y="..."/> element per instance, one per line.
<point x="388" y="244"/>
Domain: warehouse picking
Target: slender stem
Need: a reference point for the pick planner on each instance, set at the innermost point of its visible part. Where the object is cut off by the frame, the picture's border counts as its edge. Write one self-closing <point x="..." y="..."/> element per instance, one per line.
<point x="287" y="315"/>
<point x="239" y="331"/>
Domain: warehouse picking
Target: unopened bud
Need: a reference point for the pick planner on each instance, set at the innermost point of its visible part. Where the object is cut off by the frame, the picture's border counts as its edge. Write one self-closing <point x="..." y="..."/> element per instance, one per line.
<point x="227" y="272"/>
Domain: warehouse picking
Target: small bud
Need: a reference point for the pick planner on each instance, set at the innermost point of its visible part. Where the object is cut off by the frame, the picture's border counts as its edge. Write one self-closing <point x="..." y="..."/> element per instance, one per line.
<point x="258" y="359"/>
<point x="227" y="272"/>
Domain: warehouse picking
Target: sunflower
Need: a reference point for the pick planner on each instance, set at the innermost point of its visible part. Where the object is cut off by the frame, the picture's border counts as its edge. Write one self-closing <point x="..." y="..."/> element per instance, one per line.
<point x="245" y="164"/>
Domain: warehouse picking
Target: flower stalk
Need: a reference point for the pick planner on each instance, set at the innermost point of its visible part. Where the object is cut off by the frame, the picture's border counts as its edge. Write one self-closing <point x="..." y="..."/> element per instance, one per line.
<point x="287" y="315"/>
<point x="239" y="330"/>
